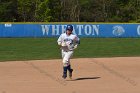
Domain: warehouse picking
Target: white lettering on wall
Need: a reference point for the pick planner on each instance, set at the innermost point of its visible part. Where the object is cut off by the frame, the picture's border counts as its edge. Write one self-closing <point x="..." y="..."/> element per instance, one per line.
<point x="79" y="27"/>
<point x="138" y="30"/>
<point x="88" y="29"/>
<point x="55" y="29"/>
<point x="63" y="28"/>
<point x="8" y="25"/>
<point x="95" y="29"/>
<point x="91" y="29"/>
<point x="45" y="29"/>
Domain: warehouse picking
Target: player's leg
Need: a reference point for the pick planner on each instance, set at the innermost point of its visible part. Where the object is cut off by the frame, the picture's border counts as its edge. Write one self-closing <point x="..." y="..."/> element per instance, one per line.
<point x="70" y="71"/>
<point x="62" y="53"/>
<point x="64" y="65"/>
<point x="66" y="60"/>
<point x="64" y="72"/>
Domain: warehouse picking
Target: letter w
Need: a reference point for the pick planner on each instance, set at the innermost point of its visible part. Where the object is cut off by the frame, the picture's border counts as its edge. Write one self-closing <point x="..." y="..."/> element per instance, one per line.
<point x="45" y="29"/>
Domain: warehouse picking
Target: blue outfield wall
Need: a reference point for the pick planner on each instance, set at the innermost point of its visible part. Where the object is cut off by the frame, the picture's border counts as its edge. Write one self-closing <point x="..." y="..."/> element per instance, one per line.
<point x="82" y="30"/>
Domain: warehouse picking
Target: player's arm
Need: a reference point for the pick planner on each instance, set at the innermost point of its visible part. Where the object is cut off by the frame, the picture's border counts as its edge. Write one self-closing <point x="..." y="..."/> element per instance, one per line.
<point x="59" y="41"/>
<point x="77" y="42"/>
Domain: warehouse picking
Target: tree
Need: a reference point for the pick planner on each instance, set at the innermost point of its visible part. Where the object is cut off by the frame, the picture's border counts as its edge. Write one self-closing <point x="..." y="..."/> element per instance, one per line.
<point x="128" y="10"/>
<point x="92" y="11"/>
<point x="70" y="10"/>
<point x="55" y="7"/>
<point x="48" y="11"/>
<point x="8" y="10"/>
<point x="26" y="10"/>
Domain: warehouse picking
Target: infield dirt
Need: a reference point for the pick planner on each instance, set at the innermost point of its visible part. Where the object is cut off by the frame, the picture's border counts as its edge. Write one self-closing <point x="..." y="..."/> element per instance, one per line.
<point x="91" y="75"/>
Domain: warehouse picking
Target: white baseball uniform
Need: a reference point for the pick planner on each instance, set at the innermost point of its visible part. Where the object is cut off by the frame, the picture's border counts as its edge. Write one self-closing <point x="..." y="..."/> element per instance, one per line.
<point x="68" y="44"/>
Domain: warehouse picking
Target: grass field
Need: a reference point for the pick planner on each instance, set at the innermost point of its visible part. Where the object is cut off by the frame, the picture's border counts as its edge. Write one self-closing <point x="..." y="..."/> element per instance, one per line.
<point x="46" y="48"/>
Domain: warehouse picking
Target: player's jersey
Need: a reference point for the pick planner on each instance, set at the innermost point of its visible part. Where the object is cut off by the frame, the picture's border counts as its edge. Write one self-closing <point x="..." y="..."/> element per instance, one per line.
<point x="69" y="40"/>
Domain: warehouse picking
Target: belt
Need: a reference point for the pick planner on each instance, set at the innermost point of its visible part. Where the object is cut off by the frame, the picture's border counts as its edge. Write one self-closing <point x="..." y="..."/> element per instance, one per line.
<point x="67" y="51"/>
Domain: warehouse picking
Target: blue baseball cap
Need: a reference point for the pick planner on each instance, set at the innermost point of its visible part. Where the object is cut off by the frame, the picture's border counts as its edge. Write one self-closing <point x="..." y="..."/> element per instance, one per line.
<point x="69" y="27"/>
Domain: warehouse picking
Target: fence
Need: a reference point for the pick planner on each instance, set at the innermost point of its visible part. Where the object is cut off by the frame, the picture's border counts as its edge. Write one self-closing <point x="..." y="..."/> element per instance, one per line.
<point x="82" y="30"/>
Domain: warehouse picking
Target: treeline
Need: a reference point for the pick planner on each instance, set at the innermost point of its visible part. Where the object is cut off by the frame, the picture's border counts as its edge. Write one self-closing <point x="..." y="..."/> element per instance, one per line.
<point x="69" y="10"/>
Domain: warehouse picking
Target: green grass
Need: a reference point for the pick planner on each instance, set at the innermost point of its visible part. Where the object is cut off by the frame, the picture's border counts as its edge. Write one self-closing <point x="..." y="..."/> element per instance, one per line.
<point x="109" y="47"/>
<point x="46" y="48"/>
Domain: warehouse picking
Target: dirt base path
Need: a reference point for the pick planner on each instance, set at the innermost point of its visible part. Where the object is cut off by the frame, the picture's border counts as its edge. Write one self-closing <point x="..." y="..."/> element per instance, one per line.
<point x="91" y="75"/>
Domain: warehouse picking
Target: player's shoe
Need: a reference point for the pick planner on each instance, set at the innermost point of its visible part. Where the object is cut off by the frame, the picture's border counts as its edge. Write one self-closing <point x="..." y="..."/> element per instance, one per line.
<point x="70" y="73"/>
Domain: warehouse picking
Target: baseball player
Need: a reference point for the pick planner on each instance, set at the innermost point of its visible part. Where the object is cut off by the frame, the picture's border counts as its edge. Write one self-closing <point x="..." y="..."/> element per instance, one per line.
<point x="68" y="42"/>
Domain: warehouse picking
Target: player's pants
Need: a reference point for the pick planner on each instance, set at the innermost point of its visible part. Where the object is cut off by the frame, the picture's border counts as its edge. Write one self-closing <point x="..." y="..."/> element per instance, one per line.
<point x="66" y="55"/>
